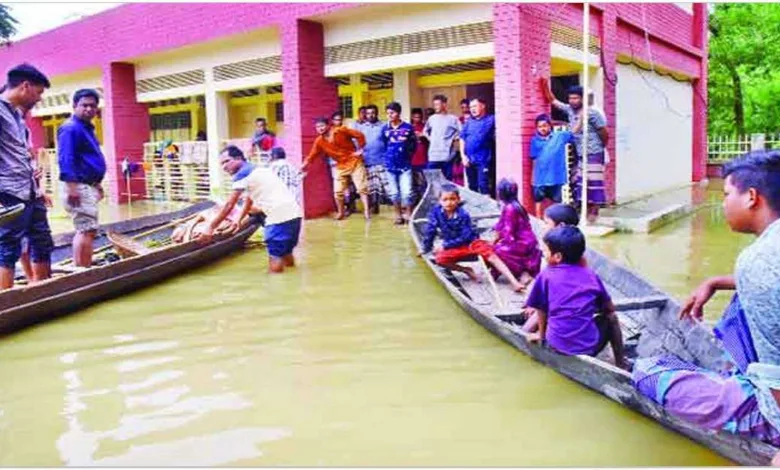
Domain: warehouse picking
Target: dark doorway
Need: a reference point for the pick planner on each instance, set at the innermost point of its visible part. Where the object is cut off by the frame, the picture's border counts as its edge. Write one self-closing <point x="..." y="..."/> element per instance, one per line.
<point x="559" y="86"/>
<point x="485" y="91"/>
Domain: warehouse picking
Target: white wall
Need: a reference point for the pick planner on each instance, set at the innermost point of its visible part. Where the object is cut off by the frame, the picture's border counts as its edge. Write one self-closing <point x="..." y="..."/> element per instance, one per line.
<point x="384" y="20"/>
<point x="654" y="132"/>
<point x="685" y="6"/>
<point x="254" y="45"/>
<point x="69" y="84"/>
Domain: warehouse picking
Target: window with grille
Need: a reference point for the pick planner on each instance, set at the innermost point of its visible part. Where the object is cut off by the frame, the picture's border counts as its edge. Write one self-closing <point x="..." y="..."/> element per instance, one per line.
<point x="279" y="111"/>
<point x="345" y="106"/>
<point x="173" y="126"/>
<point x="180" y="120"/>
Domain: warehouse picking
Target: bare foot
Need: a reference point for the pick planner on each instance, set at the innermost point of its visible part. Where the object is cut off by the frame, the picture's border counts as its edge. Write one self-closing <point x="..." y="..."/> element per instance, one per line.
<point x="339" y="216"/>
<point x="367" y="215"/>
<point x="526" y="279"/>
<point x="519" y="287"/>
<point x="472" y="274"/>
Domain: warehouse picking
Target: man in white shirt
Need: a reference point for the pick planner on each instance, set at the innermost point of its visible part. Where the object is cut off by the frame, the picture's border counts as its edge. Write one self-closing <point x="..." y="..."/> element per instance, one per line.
<point x="265" y="190"/>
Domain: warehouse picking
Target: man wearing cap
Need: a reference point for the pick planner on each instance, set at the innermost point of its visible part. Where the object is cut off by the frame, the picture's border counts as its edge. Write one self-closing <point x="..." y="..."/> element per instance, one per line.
<point x="25" y="85"/>
<point x="82" y="168"/>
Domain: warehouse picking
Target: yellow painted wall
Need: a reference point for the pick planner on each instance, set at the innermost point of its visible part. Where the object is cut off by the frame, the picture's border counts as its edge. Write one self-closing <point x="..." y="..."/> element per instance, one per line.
<point x="381" y="98"/>
<point x="453" y="93"/>
<point x="242" y="121"/>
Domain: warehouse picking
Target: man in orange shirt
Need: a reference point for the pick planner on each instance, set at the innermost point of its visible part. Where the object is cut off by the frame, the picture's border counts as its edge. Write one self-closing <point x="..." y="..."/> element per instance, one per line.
<point x="337" y="143"/>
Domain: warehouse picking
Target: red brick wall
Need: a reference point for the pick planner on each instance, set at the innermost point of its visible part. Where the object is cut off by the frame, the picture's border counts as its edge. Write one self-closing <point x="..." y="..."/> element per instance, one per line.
<point x="631" y="41"/>
<point x="136" y="29"/>
<point x="37" y="133"/>
<point x="608" y="30"/>
<point x="523" y="33"/>
<point x="699" y="154"/>
<point x="125" y="129"/>
<point x="307" y="95"/>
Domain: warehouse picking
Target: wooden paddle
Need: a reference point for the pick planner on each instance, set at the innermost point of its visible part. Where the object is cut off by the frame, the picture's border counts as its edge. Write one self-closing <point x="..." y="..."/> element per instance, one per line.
<point x="496" y="294"/>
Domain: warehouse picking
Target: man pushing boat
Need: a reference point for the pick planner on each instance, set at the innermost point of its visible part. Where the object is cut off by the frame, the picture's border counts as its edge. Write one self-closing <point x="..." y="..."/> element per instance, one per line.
<point x="268" y="193"/>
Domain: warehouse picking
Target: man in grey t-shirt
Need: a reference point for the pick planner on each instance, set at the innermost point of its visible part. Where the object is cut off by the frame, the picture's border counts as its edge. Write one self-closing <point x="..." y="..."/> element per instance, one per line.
<point x="24" y="88"/>
<point x="442" y="129"/>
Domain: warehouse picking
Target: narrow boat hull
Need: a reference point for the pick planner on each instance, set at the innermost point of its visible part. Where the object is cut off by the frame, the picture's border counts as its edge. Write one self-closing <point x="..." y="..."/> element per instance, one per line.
<point x="641" y="308"/>
<point x="40" y="302"/>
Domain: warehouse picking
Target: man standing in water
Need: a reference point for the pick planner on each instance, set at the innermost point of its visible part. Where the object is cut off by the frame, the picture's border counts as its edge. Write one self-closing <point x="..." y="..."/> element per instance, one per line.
<point x="374" y="156"/>
<point x="24" y="88"/>
<point x="337" y="143"/>
<point x="268" y="193"/>
<point x="82" y="168"/>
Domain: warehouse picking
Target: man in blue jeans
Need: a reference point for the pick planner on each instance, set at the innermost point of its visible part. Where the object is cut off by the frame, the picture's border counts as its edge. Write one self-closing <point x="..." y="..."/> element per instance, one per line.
<point x="477" y="146"/>
<point x="25" y="85"/>
<point x="400" y="141"/>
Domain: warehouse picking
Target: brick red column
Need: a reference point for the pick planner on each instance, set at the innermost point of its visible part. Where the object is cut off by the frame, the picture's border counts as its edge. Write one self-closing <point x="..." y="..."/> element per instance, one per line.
<point x="37" y="133"/>
<point x="521" y="33"/>
<point x="307" y="95"/>
<point x="699" y="151"/>
<point x="125" y="129"/>
<point x="609" y="44"/>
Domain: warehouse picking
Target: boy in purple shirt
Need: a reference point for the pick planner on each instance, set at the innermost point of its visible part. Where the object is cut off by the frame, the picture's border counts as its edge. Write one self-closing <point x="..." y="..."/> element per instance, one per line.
<point x="575" y="313"/>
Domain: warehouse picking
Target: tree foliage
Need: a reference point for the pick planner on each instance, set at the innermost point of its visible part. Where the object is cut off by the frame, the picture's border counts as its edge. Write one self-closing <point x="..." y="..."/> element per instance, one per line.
<point x="744" y="68"/>
<point x="7" y="24"/>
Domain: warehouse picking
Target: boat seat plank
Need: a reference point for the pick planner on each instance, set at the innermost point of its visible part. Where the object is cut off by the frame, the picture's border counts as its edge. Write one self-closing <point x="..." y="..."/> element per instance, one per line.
<point x="641" y="303"/>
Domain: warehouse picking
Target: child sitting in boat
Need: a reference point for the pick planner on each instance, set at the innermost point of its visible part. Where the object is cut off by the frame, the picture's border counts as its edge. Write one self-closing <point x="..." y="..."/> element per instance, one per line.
<point x="745" y="400"/>
<point x="561" y="214"/>
<point x="573" y="311"/>
<point x="516" y="243"/>
<point x="452" y="223"/>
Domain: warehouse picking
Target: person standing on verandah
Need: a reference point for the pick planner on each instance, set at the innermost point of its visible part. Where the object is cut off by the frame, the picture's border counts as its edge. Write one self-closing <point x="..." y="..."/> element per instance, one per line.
<point x="477" y="147"/>
<point x="24" y="88"/>
<point x="598" y="137"/>
<point x="82" y="169"/>
<point x="337" y="143"/>
<point x="400" y="142"/>
<point x="441" y="129"/>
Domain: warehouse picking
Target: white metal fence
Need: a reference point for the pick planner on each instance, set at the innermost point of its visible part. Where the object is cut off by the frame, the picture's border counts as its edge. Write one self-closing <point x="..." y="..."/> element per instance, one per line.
<point x="721" y="148"/>
<point x="173" y="171"/>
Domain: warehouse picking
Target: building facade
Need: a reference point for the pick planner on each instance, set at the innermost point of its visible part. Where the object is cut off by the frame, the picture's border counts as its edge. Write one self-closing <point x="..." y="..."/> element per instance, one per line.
<point x="181" y="71"/>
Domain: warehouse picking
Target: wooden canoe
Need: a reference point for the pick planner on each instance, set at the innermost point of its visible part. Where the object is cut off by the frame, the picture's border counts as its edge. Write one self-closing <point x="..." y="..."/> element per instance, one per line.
<point x="648" y="318"/>
<point x="27" y="305"/>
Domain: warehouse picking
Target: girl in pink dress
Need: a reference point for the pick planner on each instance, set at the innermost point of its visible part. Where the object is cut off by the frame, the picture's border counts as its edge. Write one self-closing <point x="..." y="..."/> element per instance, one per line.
<point x="516" y="243"/>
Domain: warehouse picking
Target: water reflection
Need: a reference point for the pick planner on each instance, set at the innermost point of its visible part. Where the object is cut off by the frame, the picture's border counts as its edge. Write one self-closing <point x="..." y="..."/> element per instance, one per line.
<point x="356" y="358"/>
<point x="156" y="400"/>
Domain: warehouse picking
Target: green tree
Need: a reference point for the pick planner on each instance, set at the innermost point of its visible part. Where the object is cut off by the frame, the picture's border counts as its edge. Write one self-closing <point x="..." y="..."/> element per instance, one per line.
<point x="7" y="24"/>
<point x="744" y="68"/>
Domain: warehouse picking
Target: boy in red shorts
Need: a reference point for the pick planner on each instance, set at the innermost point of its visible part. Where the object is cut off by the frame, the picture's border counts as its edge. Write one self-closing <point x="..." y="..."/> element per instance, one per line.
<point x="461" y="243"/>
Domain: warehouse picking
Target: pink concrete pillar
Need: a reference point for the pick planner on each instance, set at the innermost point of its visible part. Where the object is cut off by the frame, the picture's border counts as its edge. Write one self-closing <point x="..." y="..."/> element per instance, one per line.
<point x="125" y="129"/>
<point x="308" y="94"/>
<point x="521" y="34"/>
<point x="699" y="151"/>
<point x="37" y="133"/>
<point x="609" y="47"/>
